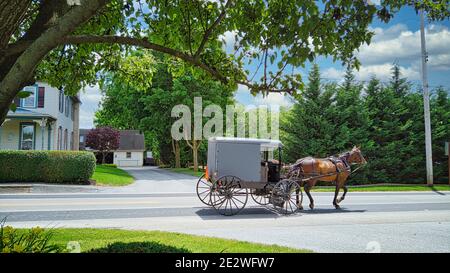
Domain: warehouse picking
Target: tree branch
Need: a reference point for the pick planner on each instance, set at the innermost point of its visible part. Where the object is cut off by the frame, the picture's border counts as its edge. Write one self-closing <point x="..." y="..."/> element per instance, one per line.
<point x="211" y="28"/>
<point x="111" y="39"/>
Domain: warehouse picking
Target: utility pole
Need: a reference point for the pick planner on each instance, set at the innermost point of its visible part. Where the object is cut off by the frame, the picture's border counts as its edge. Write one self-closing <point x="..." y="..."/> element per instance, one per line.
<point x="426" y="103"/>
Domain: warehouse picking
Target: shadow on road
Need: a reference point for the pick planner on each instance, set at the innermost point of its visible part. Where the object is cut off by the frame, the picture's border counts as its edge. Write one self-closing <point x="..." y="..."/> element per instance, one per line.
<point x="325" y="211"/>
<point x="265" y="212"/>
<point x="212" y="214"/>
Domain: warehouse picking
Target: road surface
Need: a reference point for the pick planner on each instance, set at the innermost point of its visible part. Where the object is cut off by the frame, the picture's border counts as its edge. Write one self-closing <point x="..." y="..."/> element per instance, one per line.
<point x="160" y="200"/>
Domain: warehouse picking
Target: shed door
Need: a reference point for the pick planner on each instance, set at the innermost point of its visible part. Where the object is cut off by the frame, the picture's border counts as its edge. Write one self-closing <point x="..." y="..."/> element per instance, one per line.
<point x="241" y="160"/>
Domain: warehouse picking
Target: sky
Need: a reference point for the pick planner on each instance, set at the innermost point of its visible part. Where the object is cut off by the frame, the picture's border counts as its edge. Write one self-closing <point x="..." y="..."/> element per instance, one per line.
<point x="395" y="42"/>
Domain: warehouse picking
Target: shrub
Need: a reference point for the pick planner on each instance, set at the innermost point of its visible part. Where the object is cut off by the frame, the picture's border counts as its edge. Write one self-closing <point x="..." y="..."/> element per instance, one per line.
<point x="138" y="247"/>
<point x="34" y="240"/>
<point x="46" y="166"/>
<point x="110" y="165"/>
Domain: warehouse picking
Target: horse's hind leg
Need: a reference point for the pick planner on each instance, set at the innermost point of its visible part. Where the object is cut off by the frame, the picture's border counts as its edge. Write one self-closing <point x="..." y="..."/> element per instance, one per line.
<point x="340" y="199"/>
<point x="336" y="192"/>
<point x="307" y="188"/>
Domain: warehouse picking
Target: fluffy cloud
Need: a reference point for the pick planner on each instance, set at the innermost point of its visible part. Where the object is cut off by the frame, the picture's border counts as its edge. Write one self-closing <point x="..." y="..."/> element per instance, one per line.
<point x="398" y="43"/>
<point x="381" y="71"/>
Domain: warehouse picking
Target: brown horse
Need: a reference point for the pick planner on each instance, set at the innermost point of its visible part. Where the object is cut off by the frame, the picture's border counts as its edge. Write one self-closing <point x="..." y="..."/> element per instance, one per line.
<point x="331" y="169"/>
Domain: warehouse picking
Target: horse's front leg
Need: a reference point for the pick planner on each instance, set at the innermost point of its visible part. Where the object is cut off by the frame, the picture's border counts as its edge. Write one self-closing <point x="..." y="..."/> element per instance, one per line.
<point x="336" y="193"/>
<point x="299" y="204"/>
<point x="340" y="199"/>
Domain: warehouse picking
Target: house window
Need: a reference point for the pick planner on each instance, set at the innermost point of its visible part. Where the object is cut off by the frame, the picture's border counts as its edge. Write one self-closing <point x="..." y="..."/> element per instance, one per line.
<point x="26" y="136"/>
<point x="30" y="101"/>
<point x="81" y="138"/>
<point x="128" y="154"/>
<point x="59" y="146"/>
<point x="71" y="140"/>
<point x="65" y="139"/>
<point x="61" y="101"/>
<point x="67" y="110"/>
<point x="72" y="107"/>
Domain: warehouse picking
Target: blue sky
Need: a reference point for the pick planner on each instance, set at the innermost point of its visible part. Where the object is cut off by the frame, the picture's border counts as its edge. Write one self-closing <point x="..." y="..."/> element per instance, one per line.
<point x="398" y="41"/>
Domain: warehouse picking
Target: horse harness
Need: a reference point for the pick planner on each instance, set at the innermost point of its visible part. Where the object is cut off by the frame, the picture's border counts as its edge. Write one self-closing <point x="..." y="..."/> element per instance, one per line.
<point x="301" y="166"/>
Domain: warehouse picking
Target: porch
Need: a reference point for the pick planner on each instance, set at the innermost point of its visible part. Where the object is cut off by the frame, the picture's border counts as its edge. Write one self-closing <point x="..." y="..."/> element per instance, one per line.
<point x="27" y="130"/>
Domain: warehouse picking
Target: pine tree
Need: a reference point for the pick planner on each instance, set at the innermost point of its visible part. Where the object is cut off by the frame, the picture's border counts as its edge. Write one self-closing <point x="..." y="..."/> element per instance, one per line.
<point x="398" y="84"/>
<point x="307" y="129"/>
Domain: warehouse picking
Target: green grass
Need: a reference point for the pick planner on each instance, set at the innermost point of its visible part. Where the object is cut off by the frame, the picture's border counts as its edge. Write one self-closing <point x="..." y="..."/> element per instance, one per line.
<point x="382" y="187"/>
<point x="111" y="176"/>
<point x="97" y="240"/>
<point x="188" y="171"/>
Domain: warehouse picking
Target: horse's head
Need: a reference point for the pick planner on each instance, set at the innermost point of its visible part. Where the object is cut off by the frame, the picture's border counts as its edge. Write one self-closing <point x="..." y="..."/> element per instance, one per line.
<point x="356" y="156"/>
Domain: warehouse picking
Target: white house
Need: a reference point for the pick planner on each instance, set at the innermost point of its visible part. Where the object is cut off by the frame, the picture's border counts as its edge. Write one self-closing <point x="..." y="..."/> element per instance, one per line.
<point x="46" y="120"/>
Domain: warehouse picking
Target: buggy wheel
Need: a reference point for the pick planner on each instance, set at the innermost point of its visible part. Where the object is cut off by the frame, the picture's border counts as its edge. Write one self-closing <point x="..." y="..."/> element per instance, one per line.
<point x="262" y="200"/>
<point x="287" y="196"/>
<point x="227" y="196"/>
<point x="204" y="190"/>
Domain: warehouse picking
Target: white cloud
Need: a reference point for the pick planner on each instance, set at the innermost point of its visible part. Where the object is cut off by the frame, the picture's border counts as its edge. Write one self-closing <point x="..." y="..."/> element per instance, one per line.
<point x="381" y="71"/>
<point x="397" y="43"/>
<point x="90" y="98"/>
<point x="273" y="100"/>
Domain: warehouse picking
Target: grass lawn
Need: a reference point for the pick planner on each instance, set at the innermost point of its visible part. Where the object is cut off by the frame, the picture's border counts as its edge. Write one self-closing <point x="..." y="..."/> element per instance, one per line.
<point x="97" y="240"/>
<point x="382" y="187"/>
<point x="188" y="171"/>
<point x="111" y="176"/>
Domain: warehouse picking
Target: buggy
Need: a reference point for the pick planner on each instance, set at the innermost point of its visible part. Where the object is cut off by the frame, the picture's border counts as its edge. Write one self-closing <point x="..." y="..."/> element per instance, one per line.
<point x="239" y="167"/>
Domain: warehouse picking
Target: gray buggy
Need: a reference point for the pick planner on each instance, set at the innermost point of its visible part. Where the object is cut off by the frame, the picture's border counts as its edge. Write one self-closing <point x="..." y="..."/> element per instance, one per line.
<point x="239" y="167"/>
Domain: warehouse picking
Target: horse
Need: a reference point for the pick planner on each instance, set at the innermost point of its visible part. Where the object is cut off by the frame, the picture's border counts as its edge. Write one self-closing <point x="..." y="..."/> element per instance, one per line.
<point x="331" y="169"/>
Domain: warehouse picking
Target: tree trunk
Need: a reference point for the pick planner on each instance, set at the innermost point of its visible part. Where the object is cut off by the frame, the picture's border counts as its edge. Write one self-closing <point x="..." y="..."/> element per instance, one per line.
<point x="103" y="157"/>
<point x="23" y="69"/>
<point x="195" y="154"/>
<point x="177" y="155"/>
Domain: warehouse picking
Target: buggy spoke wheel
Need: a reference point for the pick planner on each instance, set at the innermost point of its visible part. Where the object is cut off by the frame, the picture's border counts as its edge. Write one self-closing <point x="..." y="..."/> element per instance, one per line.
<point x="203" y="190"/>
<point x="261" y="199"/>
<point x="284" y="196"/>
<point x="227" y="196"/>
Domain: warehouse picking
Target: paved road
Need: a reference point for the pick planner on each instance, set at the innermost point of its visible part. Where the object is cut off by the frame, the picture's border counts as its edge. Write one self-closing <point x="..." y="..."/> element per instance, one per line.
<point x="160" y="200"/>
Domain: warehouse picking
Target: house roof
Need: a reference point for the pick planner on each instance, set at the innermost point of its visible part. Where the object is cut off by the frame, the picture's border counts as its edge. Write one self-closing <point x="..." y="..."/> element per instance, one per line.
<point x="131" y="140"/>
<point x="25" y="113"/>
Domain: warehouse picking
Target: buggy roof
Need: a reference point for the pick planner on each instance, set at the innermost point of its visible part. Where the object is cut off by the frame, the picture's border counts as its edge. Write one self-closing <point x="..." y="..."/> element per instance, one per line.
<point x="265" y="143"/>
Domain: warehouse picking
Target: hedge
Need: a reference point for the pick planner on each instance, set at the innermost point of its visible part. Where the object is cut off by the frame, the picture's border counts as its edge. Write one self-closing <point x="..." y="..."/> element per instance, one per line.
<point x="46" y="166"/>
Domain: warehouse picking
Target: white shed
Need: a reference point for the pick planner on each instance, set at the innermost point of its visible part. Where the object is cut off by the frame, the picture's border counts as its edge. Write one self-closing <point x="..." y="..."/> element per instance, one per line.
<point x="131" y="149"/>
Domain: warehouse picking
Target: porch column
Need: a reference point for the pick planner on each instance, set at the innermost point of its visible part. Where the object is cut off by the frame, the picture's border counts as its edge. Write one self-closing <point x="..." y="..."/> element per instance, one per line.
<point x="42" y="123"/>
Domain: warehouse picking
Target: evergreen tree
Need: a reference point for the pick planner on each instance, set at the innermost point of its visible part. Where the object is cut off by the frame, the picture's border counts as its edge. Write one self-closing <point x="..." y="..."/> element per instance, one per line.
<point x="307" y="129"/>
<point x="398" y="84"/>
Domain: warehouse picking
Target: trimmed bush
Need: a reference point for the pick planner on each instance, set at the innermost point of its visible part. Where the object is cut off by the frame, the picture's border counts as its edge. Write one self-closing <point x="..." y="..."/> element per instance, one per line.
<point x="110" y="165"/>
<point x="46" y="166"/>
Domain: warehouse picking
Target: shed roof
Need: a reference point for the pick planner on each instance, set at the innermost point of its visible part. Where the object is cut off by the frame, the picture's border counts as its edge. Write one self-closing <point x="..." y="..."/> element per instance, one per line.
<point x="131" y="140"/>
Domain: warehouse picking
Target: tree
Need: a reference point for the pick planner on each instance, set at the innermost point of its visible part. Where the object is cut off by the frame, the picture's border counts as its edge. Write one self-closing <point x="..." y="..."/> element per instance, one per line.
<point x="103" y="139"/>
<point x="307" y="129"/>
<point x="67" y="43"/>
<point x="399" y="84"/>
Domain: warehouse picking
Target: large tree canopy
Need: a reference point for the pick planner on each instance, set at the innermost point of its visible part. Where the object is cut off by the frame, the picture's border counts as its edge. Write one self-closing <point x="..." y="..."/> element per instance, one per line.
<point x="67" y="42"/>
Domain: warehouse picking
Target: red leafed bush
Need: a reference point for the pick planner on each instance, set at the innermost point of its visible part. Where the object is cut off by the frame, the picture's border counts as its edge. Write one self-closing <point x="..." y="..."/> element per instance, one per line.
<point x="103" y="139"/>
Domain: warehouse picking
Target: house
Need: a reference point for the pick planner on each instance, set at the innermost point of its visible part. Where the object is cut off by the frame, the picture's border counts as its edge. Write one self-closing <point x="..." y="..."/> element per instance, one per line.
<point x="130" y="152"/>
<point x="46" y="120"/>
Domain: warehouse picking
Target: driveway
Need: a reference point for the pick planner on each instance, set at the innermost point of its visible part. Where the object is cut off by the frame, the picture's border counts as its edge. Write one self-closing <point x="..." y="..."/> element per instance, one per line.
<point x="155" y="180"/>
